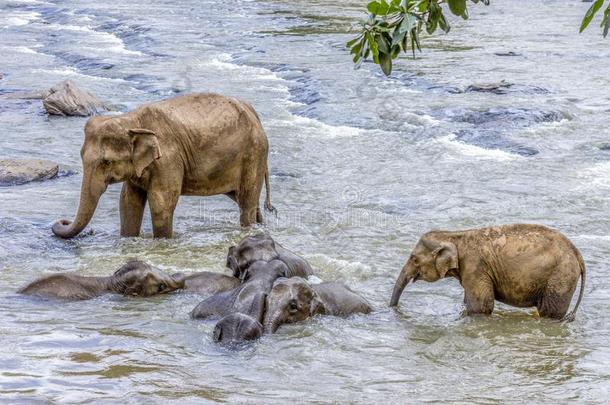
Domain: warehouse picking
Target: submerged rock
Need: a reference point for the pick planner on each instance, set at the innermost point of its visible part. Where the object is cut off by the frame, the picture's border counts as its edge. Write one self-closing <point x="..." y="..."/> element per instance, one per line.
<point x="508" y="53"/>
<point x="20" y="171"/>
<point x="496" y="88"/>
<point x="605" y="146"/>
<point x="66" y="99"/>
<point x="494" y="140"/>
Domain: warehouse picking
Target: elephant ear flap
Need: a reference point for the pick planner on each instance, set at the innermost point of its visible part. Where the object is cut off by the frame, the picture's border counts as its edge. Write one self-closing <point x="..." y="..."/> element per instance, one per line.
<point x="145" y="148"/>
<point x="317" y="306"/>
<point x="446" y="258"/>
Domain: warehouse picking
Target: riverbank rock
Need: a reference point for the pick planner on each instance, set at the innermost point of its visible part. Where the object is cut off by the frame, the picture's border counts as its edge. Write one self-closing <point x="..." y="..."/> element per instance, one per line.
<point x="20" y="171"/>
<point x="67" y="99"/>
<point x="496" y="88"/>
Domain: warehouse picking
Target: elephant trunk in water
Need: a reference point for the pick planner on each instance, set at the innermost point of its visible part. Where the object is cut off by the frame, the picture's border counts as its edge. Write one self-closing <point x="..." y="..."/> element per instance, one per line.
<point x="407" y="273"/>
<point x="89" y="197"/>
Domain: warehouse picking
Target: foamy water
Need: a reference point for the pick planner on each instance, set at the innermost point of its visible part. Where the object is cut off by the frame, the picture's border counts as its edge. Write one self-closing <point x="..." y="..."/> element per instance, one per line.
<point x="360" y="167"/>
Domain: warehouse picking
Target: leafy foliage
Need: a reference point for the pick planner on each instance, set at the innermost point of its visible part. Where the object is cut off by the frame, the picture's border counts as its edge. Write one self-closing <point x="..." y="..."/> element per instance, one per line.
<point x="394" y="26"/>
<point x="595" y="7"/>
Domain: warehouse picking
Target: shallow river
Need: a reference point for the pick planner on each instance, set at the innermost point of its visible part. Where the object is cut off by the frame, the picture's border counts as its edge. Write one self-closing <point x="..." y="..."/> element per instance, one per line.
<point x="360" y="167"/>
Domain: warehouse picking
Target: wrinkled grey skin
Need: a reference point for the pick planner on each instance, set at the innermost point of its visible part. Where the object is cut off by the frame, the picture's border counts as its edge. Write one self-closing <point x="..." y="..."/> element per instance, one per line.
<point x="134" y="278"/>
<point x="237" y="328"/>
<point x="263" y="247"/>
<point x="523" y="265"/>
<point x="294" y="299"/>
<point x="247" y="298"/>
<point x="207" y="282"/>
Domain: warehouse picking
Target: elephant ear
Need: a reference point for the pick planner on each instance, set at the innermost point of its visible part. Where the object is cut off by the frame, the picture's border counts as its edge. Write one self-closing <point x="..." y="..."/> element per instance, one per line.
<point x="445" y="258"/>
<point x="317" y="306"/>
<point x="145" y="148"/>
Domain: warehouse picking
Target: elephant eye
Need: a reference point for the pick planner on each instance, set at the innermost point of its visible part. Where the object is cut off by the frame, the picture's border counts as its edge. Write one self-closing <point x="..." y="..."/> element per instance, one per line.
<point x="162" y="287"/>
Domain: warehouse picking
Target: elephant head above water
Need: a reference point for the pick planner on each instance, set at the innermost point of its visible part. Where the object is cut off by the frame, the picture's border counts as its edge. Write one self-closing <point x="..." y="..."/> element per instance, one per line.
<point x="263" y="248"/>
<point x="294" y="299"/>
<point x="113" y="152"/>
<point x="135" y="278"/>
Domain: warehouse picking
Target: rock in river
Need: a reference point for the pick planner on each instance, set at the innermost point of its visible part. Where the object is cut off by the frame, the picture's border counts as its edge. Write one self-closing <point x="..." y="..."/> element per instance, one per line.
<point x="19" y="171"/>
<point x="65" y="98"/>
<point x="496" y="88"/>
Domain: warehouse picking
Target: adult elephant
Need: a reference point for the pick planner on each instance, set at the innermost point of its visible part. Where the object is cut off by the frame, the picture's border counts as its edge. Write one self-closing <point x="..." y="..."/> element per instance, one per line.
<point x="198" y="144"/>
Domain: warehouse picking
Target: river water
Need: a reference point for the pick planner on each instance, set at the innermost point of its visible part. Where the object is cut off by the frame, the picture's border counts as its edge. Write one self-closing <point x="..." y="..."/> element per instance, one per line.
<point x="360" y="167"/>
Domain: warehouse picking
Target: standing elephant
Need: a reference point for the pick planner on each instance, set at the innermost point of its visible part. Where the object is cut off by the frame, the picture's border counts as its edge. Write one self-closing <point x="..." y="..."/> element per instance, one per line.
<point x="263" y="247"/>
<point x="198" y="144"/>
<point x="521" y="265"/>
<point x="294" y="299"/>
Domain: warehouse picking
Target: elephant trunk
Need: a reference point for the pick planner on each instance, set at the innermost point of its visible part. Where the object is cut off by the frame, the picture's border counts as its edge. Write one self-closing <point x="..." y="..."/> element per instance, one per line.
<point x="89" y="197"/>
<point x="407" y="273"/>
<point x="271" y="320"/>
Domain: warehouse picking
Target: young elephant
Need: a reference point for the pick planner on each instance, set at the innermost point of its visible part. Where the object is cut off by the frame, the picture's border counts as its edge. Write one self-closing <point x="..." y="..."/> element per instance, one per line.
<point x="247" y="298"/>
<point x="207" y="282"/>
<point x="237" y="328"/>
<point x="263" y="247"/>
<point x="294" y="299"/>
<point x="521" y="265"/>
<point x="134" y="278"/>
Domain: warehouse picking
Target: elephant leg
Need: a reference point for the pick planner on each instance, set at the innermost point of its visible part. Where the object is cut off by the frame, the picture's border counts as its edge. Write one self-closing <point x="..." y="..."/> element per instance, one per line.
<point x="557" y="296"/>
<point x="478" y="295"/>
<point x="131" y="206"/>
<point x="162" y="205"/>
<point x="259" y="214"/>
<point x="247" y="199"/>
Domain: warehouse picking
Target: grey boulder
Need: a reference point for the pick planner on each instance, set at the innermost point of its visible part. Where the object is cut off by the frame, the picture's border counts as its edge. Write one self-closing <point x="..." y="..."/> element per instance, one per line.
<point x="20" y="171"/>
<point x="67" y="99"/>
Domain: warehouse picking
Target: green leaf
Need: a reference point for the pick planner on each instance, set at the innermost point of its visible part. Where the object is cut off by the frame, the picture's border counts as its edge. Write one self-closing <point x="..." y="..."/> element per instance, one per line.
<point x="373" y="47"/>
<point x="353" y="41"/>
<point x="590" y="14"/>
<point x="408" y="22"/>
<point x="378" y="8"/>
<point x="373" y="6"/>
<point x="458" y="7"/>
<point x="385" y="61"/>
<point x="382" y="44"/>
<point x="606" y="21"/>
<point x="357" y="48"/>
<point x="398" y="36"/>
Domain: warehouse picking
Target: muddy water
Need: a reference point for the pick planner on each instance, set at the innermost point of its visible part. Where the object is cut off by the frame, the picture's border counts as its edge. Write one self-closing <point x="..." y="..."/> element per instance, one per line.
<point x="360" y="167"/>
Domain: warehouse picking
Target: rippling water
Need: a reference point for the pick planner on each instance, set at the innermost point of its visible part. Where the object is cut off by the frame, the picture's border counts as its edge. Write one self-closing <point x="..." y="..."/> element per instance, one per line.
<point x="360" y="167"/>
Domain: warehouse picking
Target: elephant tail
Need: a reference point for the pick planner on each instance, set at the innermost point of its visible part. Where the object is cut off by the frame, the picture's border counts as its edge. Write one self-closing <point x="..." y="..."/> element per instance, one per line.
<point x="268" y="205"/>
<point x="583" y="275"/>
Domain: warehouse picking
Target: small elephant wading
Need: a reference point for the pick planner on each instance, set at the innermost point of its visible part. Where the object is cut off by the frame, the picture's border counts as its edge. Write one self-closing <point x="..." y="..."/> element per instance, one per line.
<point x="521" y="265"/>
<point x="198" y="144"/>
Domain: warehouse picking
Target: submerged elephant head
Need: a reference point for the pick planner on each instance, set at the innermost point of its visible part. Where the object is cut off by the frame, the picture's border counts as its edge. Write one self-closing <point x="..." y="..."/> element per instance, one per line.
<point x="237" y="328"/>
<point x="290" y="300"/>
<point x="115" y="149"/>
<point x="431" y="259"/>
<point x="249" y="250"/>
<point x="141" y="279"/>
